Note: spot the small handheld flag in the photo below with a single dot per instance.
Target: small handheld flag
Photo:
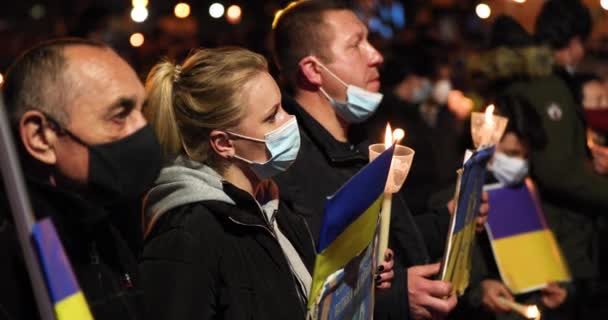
(525, 249)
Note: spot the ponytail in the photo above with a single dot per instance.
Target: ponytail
(160, 112)
(187, 102)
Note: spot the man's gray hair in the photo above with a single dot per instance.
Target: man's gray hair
(36, 80)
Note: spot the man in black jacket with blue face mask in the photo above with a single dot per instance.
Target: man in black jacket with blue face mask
(87, 156)
(323, 53)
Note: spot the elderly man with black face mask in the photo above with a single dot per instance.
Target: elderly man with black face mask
(87, 156)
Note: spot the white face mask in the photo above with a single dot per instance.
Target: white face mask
(571, 69)
(283, 144)
(441, 90)
(509, 170)
(360, 104)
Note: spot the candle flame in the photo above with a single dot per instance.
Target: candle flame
(388, 136)
(398, 134)
(489, 114)
(532, 312)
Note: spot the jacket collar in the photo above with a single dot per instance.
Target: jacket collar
(67, 206)
(251, 210)
(81, 224)
(334, 150)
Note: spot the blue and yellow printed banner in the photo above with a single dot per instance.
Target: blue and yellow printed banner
(343, 283)
(456, 264)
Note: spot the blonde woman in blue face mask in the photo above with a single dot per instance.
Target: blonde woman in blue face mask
(218, 243)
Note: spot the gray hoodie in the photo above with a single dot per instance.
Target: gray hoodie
(183, 182)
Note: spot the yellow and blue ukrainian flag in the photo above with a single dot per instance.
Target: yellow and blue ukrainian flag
(457, 263)
(525, 249)
(67, 298)
(350, 221)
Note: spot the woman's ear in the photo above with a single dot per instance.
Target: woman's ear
(37, 138)
(222, 144)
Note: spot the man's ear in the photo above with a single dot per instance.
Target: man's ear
(37, 138)
(221, 144)
(310, 71)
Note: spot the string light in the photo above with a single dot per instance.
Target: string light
(139, 3)
(483, 10)
(182, 10)
(136, 39)
(216, 10)
(233, 14)
(139, 14)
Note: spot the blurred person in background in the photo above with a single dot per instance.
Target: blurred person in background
(424, 104)
(573, 194)
(510, 167)
(564, 25)
(595, 105)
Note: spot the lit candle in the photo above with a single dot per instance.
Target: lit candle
(385, 214)
(388, 137)
(488, 126)
(527, 311)
(400, 165)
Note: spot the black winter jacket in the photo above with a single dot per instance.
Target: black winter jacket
(325, 164)
(103, 262)
(322, 167)
(214, 260)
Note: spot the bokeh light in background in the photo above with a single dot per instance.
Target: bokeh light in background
(450, 23)
(37, 11)
(136, 39)
(139, 14)
(216, 10)
(483, 11)
(139, 3)
(1, 79)
(233, 14)
(182, 10)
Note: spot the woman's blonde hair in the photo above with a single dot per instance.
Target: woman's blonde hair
(187, 102)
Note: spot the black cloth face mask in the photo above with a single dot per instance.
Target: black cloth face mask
(120, 170)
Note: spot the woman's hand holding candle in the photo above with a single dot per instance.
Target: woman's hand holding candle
(385, 274)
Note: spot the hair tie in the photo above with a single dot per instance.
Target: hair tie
(177, 72)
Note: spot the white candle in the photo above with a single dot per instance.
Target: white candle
(527, 311)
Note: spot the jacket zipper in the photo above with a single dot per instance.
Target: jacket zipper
(286, 260)
(311, 238)
(252, 225)
(95, 261)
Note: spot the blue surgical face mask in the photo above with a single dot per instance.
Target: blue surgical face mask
(509, 170)
(283, 144)
(422, 92)
(360, 104)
